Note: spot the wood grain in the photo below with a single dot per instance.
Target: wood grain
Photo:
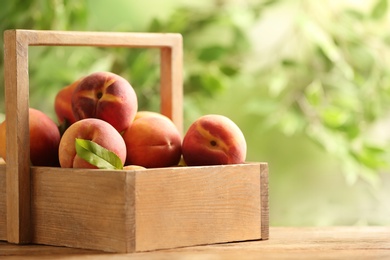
(171, 89)
(18, 137)
(3, 204)
(354, 242)
(198, 205)
(101, 39)
(82, 208)
(127, 211)
(264, 195)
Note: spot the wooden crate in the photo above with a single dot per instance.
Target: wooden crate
(120, 211)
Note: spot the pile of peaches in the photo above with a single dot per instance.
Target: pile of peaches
(102, 109)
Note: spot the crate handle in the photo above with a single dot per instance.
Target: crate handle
(16, 43)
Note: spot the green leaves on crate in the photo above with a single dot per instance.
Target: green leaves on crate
(97, 155)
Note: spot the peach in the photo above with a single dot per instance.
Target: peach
(106, 96)
(133, 167)
(3, 138)
(44, 139)
(152, 142)
(145, 113)
(213, 140)
(93, 129)
(63, 105)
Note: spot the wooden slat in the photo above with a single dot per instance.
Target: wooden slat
(129, 211)
(171, 89)
(82, 209)
(3, 205)
(264, 194)
(101, 39)
(198, 205)
(18, 152)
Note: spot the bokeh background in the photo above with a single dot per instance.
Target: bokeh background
(308, 82)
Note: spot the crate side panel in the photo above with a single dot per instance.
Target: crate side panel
(79, 208)
(197, 205)
(3, 206)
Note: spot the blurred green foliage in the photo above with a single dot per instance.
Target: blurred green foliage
(334, 83)
(309, 70)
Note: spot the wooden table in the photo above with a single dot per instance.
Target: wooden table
(284, 243)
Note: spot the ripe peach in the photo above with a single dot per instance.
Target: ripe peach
(92, 129)
(106, 96)
(44, 139)
(212, 140)
(63, 104)
(152, 142)
(133, 167)
(145, 113)
(3, 138)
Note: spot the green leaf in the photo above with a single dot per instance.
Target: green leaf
(314, 93)
(334, 117)
(97, 155)
(371, 156)
(289, 63)
(209, 82)
(155, 25)
(379, 10)
(229, 70)
(212, 53)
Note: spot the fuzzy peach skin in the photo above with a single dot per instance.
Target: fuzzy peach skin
(213, 140)
(92, 129)
(44, 139)
(3, 138)
(145, 113)
(152, 142)
(63, 104)
(106, 96)
(133, 167)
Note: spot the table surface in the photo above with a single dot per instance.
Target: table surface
(284, 243)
